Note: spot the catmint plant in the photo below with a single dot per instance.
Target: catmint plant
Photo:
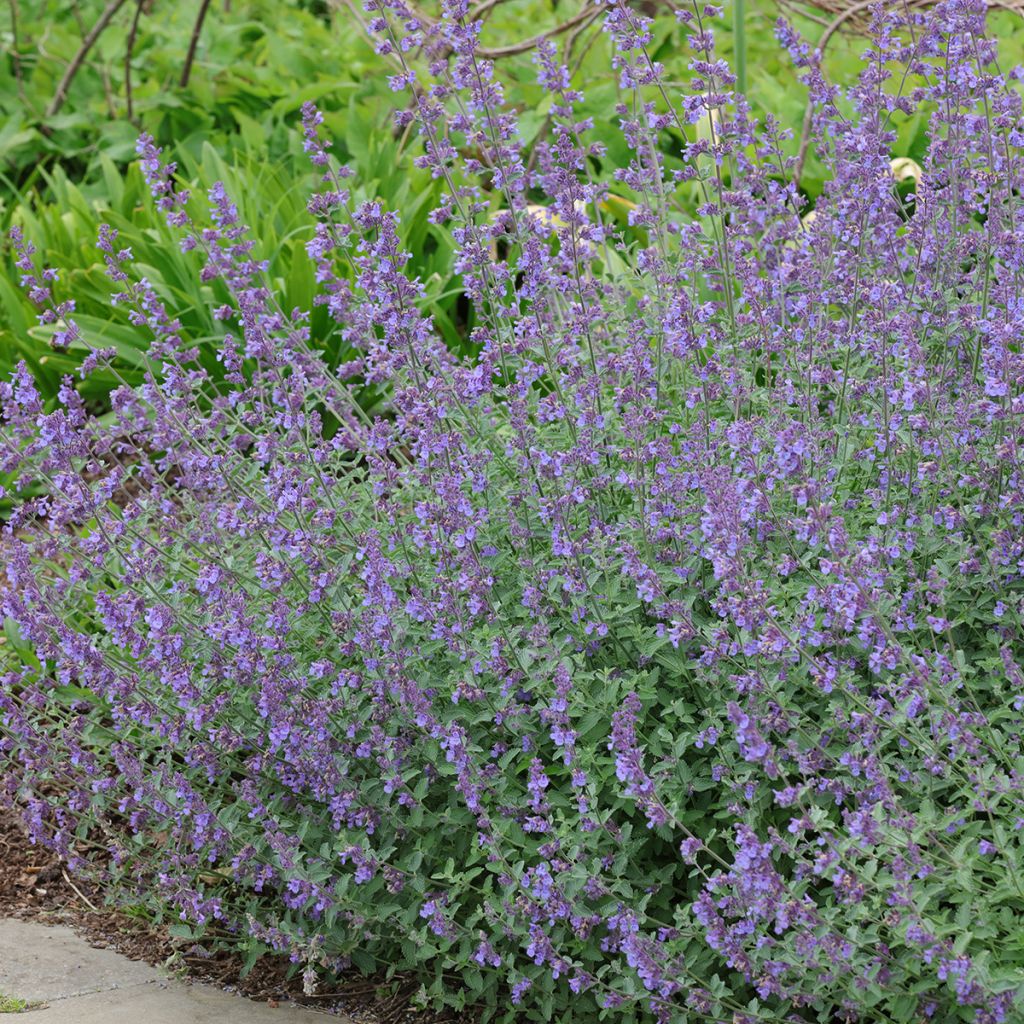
(661, 659)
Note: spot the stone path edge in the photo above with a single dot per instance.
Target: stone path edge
(66, 981)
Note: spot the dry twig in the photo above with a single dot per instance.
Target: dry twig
(78, 892)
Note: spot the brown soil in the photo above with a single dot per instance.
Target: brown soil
(34, 885)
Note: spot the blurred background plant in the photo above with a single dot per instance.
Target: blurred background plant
(219, 85)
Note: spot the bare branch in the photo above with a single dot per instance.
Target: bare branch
(585, 16)
(190, 57)
(485, 7)
(129, 47)
(79, 58)
(16, 52)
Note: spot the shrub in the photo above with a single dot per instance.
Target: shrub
(660, 660)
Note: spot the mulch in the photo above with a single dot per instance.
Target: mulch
(34, 885)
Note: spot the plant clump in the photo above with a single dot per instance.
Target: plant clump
(661, 660)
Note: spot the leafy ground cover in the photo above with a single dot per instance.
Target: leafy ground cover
(647, 648)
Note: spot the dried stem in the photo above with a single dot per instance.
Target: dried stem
(78, 892)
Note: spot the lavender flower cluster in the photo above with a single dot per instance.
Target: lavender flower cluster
(661, 661)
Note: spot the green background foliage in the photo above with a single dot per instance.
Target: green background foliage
(257, 61)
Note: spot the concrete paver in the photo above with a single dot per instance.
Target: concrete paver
(172, 1004)
(41, 963)
(77, 984)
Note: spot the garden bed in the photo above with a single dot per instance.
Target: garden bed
(34, 885)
